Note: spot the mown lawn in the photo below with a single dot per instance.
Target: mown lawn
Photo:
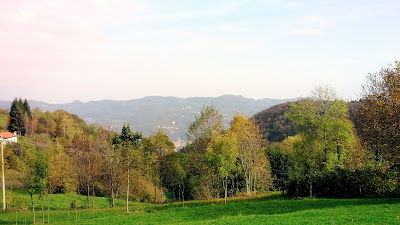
(263, 209)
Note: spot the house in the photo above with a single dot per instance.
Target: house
(8, 137)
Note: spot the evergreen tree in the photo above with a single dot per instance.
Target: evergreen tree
(16, 118)
(20, 114)
(27, 109)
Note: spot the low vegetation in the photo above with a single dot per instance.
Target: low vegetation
(3, 119)
(269, 208)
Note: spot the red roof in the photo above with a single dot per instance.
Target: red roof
(7, 135)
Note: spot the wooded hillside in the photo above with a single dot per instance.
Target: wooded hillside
(316, 146)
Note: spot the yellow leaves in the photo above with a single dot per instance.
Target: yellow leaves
(245, 130)
(62, 177)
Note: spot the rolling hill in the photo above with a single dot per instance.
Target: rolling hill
(148, 114)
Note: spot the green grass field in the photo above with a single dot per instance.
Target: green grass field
(3, 121)
(263, 209)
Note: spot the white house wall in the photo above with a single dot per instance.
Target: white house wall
(11, 140)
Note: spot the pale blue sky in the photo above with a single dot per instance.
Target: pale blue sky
(62, 51)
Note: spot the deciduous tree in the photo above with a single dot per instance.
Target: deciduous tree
(379, 118)
(201, 129)
(37, 181)
(127, 143)
(249, 140)
(327, 135)
(222, 152)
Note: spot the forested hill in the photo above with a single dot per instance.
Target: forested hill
(275, 126)
(148, 114)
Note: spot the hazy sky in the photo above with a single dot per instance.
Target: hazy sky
(60, 51)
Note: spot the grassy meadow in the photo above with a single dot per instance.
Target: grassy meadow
(3, 121)
(269, 208)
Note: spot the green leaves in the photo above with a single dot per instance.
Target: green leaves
(158, 143)
(222, 152)
(37, 178)
(202, 128)
(326, 132)
(128, 138)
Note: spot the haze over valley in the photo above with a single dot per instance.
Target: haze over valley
(172, 115)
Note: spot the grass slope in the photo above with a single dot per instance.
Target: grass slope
(3, 121)
(263, 209)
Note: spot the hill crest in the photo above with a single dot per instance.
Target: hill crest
(151, 113)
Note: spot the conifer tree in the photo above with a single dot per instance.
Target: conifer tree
(20, 114)
(27, 109)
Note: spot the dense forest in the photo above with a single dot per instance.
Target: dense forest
(57, 152)
(325, 146)
(316, 146)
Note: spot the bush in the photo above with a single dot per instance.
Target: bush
(143, 190)
(348, 184)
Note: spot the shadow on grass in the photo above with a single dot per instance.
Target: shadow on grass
(264, 205)
(202, 211)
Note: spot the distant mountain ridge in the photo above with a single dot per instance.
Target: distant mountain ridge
(149, 114)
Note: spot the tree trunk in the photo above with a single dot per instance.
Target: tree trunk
(208, 191)
(88, 187)
(247, 178)
(33, 210)
(112, 197)
(233, 185)
(250, 184)
(310, 187)
(255, 183)
(155, 193)
(88, 195)
(179, 193)
(325, 148)
(94, 196)
(76, 211)
(174, 194)
(42, 213)
(127, 195)
(237, 185)
(48, 212)
(226, 187)
(183, 195)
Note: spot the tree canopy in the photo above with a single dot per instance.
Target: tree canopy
(379, 117)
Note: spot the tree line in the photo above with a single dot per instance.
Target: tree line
(319, 146)
(341, 149)
(60, 153)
